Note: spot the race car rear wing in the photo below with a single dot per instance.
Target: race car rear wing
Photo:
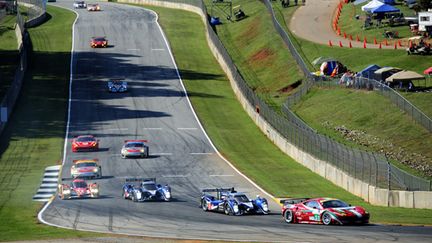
(144, 141)
(219, 190)
(293, 200)
(140, 179)
(78, 160)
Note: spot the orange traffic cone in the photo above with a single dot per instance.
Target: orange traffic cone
(364, 43)
(358, 38)
(350, 37)
(399, 43)
(395, 46)
(375, 42)
(380, 45)
(340, 44)
(364, 40)
(350, 45)
(330, 43)
(385, 42)
(339, 31)
(345, 36)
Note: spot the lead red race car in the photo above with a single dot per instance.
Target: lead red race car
(322, 211)
(85, 143)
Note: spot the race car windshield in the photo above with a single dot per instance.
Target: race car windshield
(85, 139)
(132, 145)
(149, 187)
(99, 39)
(241, 198)
(80, 184)
(335, 204)
(89, 164)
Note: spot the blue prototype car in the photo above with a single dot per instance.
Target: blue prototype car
(230, 202)
(145, 189)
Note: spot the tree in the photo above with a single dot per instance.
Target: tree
(424, 4)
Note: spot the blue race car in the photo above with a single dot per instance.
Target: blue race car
(145, 190)
(230, 202)
(117, 86)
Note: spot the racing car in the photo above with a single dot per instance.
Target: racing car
(79, 4)
(135, 148)
(322, 211)
(78, 189)
(86, 168)
(117, 86)
(230, 202)
(145, 190)
(85, 142)
(93, 7)
(98, 42)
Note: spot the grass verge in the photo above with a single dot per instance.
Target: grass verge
(35, 133)
(238, 138)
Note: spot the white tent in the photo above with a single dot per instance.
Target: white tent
(371, 5)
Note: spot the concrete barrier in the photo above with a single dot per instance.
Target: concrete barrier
(371, 194)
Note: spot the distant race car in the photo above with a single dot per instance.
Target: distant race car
(145, 190)
(230, 202)
(86, 168)
(98, 42)
(85, 142)
(93, 7)
(322, 211)
(135, 148)
(117, 86)
(79, 4)
(78, 189)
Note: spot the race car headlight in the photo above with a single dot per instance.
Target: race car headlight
(94, 190)
(138, 194)
(235, 208)
(168, 194)
(265, 206)
(95, 170)
(66, 191)
(142, 150)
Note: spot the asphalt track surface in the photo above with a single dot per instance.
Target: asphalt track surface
(156, 108)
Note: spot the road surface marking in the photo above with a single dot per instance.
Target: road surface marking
(187, 128)
(158, 49)
(220, 175)
(133, 49)
(161, 154)
(115, 129)
(201, 153)
(175, 176)
(152, 128)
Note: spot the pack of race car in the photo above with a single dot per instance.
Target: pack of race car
(145, 189)
(322, 211)
(231, 202)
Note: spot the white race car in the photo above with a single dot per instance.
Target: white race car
(79, 4)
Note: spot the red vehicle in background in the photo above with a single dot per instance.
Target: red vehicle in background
(98, 42)
(78, 189)
(322, 211)
(85, 142)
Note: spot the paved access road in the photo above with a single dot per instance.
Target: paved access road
(157, 109)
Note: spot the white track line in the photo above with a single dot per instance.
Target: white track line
(152, 128)
(221, 175)
(201, 153)
(187, 128)
(161, 153)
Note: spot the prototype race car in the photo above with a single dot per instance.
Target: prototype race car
(78, 189)
(79, 4)
(230, 202)
(98, 42)
(135, 148)
(86, 168)
(146, 190)
(117, 86)
(93, 7)
(322, 211)
(85, 142)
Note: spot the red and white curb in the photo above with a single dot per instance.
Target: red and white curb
(49, 184)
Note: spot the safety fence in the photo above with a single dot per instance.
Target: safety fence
(8, 102)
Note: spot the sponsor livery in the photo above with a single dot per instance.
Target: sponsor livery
(86, 168)
(98, 42)
(85, 142)
(93, 7)
(322, 211)
(135, 148)
(78, 188)
(145, 189)
(230, 202)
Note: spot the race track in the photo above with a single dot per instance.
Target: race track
(157, 109)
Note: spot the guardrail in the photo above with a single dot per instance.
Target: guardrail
(23, 38)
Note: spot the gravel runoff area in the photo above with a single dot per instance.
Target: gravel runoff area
(313, 21)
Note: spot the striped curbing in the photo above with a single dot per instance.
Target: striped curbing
(49, 184)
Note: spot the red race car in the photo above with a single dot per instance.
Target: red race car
(85, 142)
(322, 211)
(98, 42)
(78, 189)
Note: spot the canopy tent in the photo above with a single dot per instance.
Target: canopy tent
(385, 72)
(385, 8)
(318, 61)
(404, 76)
(428, 71)
(390, 2)
(368, 72)
(371, 5)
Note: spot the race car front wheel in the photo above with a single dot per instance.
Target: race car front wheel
(227, 210)
(204, 205)
(288, 216)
